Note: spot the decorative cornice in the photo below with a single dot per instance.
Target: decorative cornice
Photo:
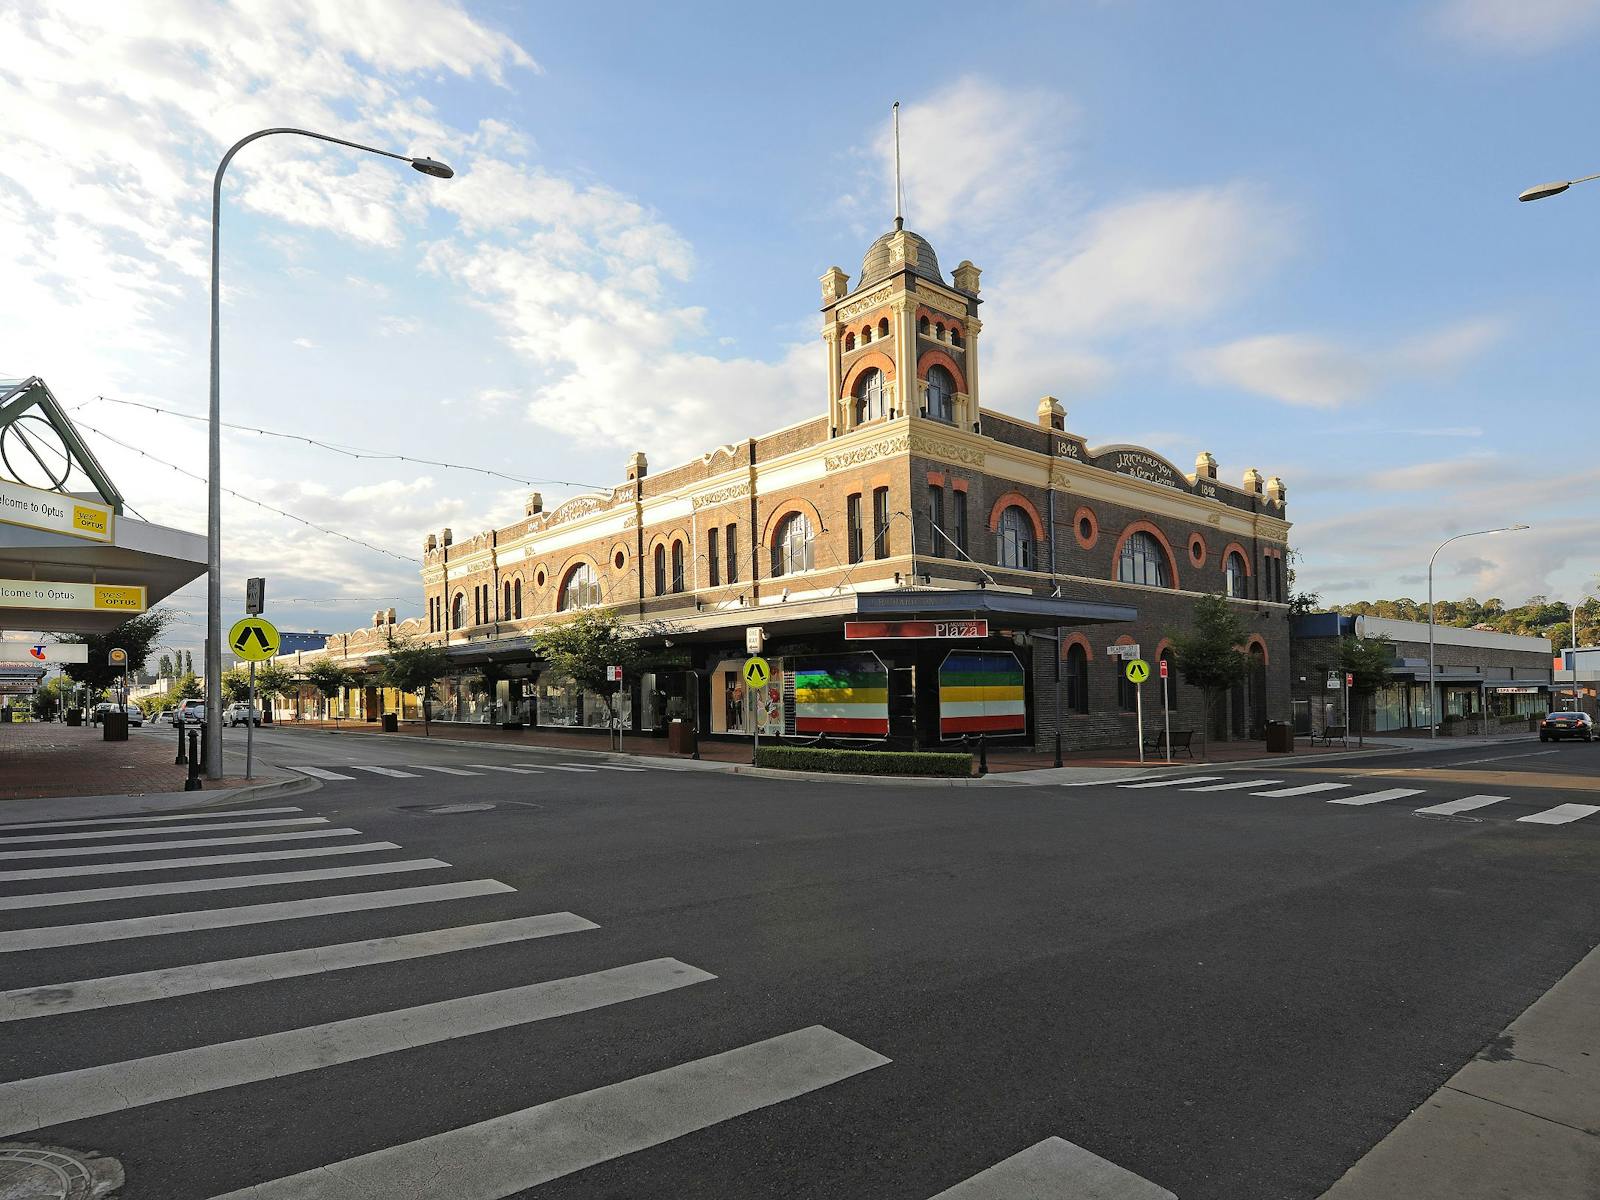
(871, 452)
(950, 451)
(943, 303)
(720, 495)
(873, 299)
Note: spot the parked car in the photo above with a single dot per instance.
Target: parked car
(239, 712)
(190, 712)
(164, 717)
(135, 715)
(98, 711)
(1558, 725)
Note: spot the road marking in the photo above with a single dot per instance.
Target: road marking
(604, 767)
(389, 771)
(1233, 787)
(1502, 757)
(46, 1100)
(1304, 789)
(442, 770)
(508, 770)
(1562, 814)
(1378, 797)
(507, 1155)
(189, 816)
(177, 844)
(320, 773)
(1172, 781)
(83, 994)
(1465, 804)
(176, 864)
(249, 914)
(1056, 1167)
(165, 829)
(579, 770)
(138, 891)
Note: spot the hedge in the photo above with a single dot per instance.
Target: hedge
(864, 762)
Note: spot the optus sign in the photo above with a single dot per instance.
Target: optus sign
(76, 597)
(54, 513)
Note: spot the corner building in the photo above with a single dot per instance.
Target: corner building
(920, 568)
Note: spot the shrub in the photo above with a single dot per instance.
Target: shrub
(865, 762)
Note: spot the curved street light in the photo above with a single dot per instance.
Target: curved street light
(1433, 686)
(213, 726)
(1544, 190)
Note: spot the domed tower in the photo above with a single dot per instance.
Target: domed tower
(902, 341)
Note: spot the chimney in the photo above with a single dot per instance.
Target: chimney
(835, 283)
(446, 537)
(430, 544)
(1276, 492)
(389, 615)
(965, 277)
(1252, 481)
(638, 466)
(534, 505)
(1051, 413)
(1205, 467)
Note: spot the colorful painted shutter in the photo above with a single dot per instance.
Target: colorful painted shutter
(981, 693)
(847, 695)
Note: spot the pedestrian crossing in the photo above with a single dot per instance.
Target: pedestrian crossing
(1560, 814)
(413, 770)
(488, 1159)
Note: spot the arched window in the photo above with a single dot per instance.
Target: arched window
(955, 335)
(869, 396)
(792, 545)
(1127, 690)
(866, 334)
(1014, 540)
(938, 332)
(677, 566)
(1076, 678)
(516, 598)
(1237, 578)
(849, 341)
(1143, 561)
(661, 570)
(922, 325)
(883, 327)
(458, 611)
(581, 588)
(941, 394)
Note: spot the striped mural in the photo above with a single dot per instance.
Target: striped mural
(981, 692)
(846, 695)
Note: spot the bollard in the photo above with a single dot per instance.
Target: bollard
(1058, 749)
(983, 754)
(193, 784)
(182, 758)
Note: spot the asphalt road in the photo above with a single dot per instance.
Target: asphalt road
(1226, 994)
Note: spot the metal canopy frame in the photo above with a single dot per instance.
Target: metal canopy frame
(20, 398)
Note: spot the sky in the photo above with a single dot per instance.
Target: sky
(1286, 234)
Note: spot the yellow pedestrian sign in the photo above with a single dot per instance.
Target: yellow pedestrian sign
(756, 672)
(254, 639)
(1137, 670)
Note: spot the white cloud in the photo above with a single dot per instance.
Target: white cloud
(1315, 372)
(1517, 26)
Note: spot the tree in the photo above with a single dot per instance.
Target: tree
(164, 671)
(188, 662)
(272, 681)
(236, 684)
(137, 635)
(408, 667)
(1366, 662)
(327, 677)
(1300, 603)
(1210, 655)
(585, 646)
(53, 695)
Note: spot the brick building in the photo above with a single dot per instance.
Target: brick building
(897, 498)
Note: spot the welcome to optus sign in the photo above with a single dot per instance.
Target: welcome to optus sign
(35, 508)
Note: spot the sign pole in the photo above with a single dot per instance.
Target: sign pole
(1166, 712)
(250, 725)
(1138, 700)
(617, 720)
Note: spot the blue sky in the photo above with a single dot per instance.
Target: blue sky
(1286, 234)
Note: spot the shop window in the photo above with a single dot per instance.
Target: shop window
(1014, 540)
(852, 508)
(792, 545)
(1143, 561)
(941, 394)
(1075, 680)
(869, 396)
(880, 522)
(713, 550)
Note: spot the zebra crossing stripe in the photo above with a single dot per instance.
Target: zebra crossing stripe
(175, 864)
(1172, 781)
(389, 771)
(165, 829)
(579, 770)
(1056, 1167)
(83, 994)
(606, 767)
(139, 891)
(191, 816)
(1465, 804)
(177, 844)
(507, 1155)
(47, 937)
(442, 770)
(1562, 814)
(1305, 789)
(1237, 785)
(507, 770)
(321, 773)
(1378, 797)
(46, 1100)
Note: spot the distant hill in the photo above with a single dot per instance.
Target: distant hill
(1538, 616)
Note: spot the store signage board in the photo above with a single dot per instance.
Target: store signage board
(76, 597)
(39, 655)
(35, 508)
(855, 631)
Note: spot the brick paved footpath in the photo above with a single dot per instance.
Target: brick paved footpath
(52, 759)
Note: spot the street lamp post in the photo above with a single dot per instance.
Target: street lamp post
(1546, 190)
(213, 726)
(1433, 686)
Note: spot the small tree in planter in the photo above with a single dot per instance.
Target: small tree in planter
(272, 681)
(1367, 663)
(585, 646)
(1210, 656)
(407, 667)
(327, 677)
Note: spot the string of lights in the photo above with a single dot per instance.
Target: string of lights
(348, 451)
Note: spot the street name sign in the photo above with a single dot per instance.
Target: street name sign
(36, 508)
(1131, 650)
(757, 672)
(77, 597)
(254, 639)
(872, 630)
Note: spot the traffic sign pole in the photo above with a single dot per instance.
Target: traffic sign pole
(1138, 700)
(1166, 713)
(250, 726)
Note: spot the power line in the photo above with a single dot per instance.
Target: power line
(348, 451)
(249, 499)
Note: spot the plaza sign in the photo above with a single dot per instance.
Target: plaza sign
(52, 512)
(873, 630)
(74, 597)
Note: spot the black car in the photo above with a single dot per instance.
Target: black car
(1559, 725)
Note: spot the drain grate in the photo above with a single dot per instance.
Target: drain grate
(32, 1172)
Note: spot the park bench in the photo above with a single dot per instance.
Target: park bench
(1180, 741)
(1331, 734)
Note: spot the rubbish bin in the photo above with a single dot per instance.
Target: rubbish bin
(5, 716)
(115, 725)
(680, 737)
(391, 722)
(74, 717)
(1280, 737)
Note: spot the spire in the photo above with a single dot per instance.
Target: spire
(899, 219)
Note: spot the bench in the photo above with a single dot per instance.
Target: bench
(1331, 734)
(1180, 741)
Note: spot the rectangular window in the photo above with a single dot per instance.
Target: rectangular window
(853, 521)
(959, 520)
(936, 517)
(1127, 690)
(733, 553)
(713, 550)
(880, 522)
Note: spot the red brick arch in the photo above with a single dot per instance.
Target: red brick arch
(1022, 502)
(785, 509)
(872, 358)
(1075, 639)
(1249, 567)
(930, 357)
(1255, 639)
(1161, 539)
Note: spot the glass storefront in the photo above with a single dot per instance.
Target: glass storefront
(565, 705)
(736, 708)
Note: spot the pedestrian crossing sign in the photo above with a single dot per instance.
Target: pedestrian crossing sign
(756, 672)
(254, 639)
(1137, 670)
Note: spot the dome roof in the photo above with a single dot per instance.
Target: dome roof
(876, 264)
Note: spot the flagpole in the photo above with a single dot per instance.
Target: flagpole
(899, 218)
